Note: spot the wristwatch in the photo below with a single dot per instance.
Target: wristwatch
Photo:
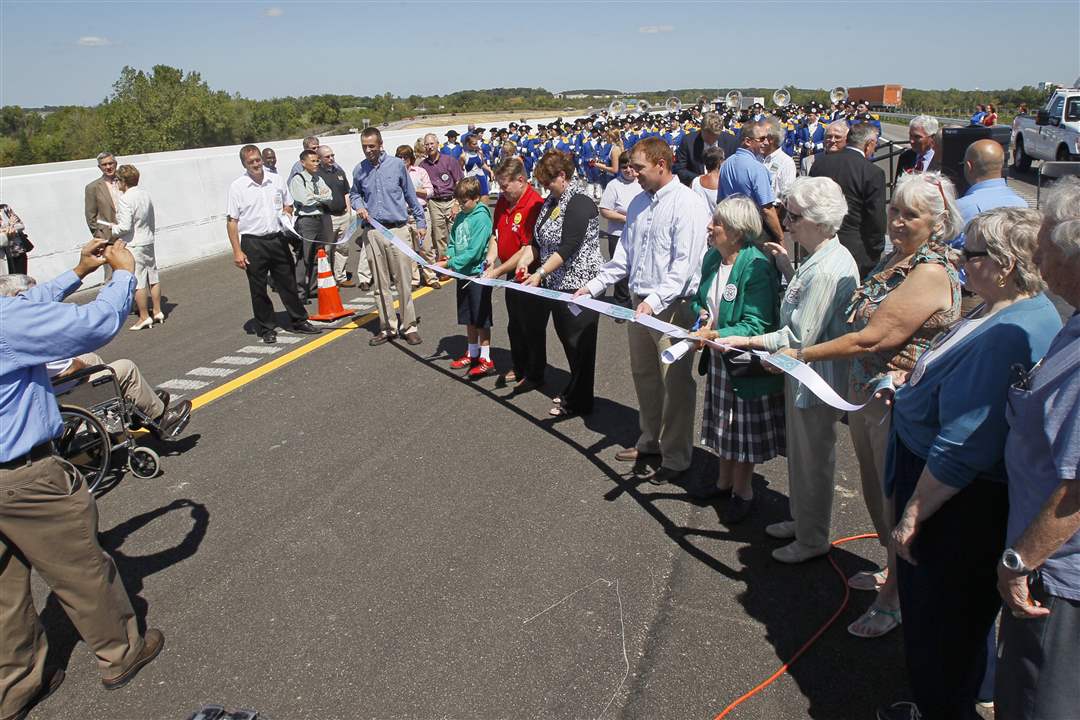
(540, 272)
(1011, 561)
(799, 355)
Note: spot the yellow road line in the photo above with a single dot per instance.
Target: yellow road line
(336, 334)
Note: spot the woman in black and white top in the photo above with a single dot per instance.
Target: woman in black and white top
(566, 243)
(14, 245)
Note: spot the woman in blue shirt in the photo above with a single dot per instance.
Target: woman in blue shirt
(945, 467)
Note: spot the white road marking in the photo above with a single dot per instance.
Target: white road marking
(236, 360)
(260, 349)
(183, 384)
(211, 372)
(288, 339)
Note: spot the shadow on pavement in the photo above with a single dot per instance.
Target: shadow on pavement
(133, 570)
(842, 676)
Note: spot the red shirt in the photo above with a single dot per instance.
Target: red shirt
(514, 225)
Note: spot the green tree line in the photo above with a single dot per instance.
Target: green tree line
(169, 109)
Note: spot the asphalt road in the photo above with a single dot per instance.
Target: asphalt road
(361, 533)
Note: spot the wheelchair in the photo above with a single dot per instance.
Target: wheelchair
(98, 422)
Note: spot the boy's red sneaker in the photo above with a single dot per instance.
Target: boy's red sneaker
(482, 369)
(464, 361)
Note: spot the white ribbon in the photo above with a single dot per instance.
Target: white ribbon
(798, 370)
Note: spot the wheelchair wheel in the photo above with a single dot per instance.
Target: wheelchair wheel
(85, 443)
(143, 462)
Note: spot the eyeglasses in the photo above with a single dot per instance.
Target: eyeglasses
(792, 218)
(966, 254)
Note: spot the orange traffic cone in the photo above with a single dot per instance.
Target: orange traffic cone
(329, 300)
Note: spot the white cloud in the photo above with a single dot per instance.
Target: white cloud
(654, 29)
(273, 12)
(93, 41)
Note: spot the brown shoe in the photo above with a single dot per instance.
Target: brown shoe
(413, 338)
(632, 454)
(381, 338)
(347, 283)
(45, 691)
(152, 644)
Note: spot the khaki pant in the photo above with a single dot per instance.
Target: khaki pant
(49, 522)
(340, 256)
(388, 262)
(811, 463)
(667, 394)
(870, 436)
(133, 385)
(439, 222)
(426, 251)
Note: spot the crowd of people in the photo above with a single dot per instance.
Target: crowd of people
(968, 444)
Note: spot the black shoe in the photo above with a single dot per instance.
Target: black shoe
(174, 419)
(269, 337)
(364, 286)
(664, 475)
(164, 397)
(707, 491)
(902, 710)
(305, 328)
(738, 509)
(47, 689)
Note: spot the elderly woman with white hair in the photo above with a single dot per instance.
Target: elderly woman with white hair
(744, 404)
(912, 296)
(811, 312)
(946, 473)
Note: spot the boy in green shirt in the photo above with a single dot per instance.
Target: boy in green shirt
(465, 253)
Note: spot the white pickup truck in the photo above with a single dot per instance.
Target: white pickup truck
(1053, 134)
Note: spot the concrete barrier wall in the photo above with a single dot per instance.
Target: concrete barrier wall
(188, 188)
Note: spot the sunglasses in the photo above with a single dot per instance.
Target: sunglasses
(966, 254)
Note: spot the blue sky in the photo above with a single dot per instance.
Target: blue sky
(72, 52)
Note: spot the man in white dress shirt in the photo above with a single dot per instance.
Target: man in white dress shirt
(780, 165)
(660, 254)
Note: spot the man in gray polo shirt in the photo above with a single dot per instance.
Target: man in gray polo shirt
(1039, 573)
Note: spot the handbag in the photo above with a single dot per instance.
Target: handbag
(745, 365)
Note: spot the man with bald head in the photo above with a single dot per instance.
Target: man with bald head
(445, 172)
(983, 163)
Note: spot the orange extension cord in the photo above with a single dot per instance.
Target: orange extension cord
(813, 638)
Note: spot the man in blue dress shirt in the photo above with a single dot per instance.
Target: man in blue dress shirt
(382, 191)
(48, 519)
(983, 161)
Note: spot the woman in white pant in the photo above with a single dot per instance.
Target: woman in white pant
(811, 312)
(135, 226)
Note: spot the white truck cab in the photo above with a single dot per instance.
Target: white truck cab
(1053, 134)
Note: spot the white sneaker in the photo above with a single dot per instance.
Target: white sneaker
(796, 552)
(782, 530)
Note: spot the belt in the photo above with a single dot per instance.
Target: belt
(268, 236)
(444, 198)
(39, 451)
(391, 225)
(343, 212)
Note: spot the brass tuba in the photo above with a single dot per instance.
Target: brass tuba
(673, 105)
(781, 98)
(643, 106)
(617, 107)
(838, 94)
(733, 100)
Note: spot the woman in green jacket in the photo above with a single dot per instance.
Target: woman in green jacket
(744, 403)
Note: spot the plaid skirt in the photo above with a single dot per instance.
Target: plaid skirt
(740, 429)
